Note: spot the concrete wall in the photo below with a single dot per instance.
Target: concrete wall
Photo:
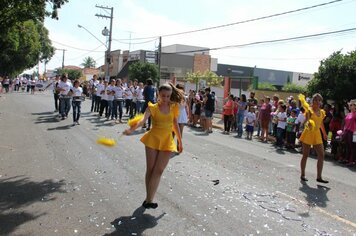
(179, 48)
(275, 77)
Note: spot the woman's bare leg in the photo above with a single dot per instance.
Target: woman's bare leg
(181, 127)
(155, 177)
(320, 152)
(151, 158)
(303, 161)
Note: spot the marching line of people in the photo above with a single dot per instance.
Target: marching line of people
(18, 84)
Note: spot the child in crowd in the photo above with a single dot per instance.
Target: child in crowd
(250, 122)
(196, 110)
(300, 123)
(291, 130)
(281, 125)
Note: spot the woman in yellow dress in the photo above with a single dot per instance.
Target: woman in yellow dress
(158, 141)
(311, 136)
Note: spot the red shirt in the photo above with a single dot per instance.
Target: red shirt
(350, 122)
(229, 109)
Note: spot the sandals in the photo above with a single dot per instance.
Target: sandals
(302, 178)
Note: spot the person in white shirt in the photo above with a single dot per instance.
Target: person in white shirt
(23, 84)
(17, 84)
(110, 92)
(128, 99)
(63, 88)
(250, 122)
(104, 99)
(134, 89)
(92, 89)
(6, 84)
(77, 94)
(139, 98)
(118, 92)
(99, 88)
(33, 85)
(281, 126)
(300, 122)
(54, 85)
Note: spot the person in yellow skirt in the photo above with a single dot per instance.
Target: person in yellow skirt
(158, 141)
(311, 136)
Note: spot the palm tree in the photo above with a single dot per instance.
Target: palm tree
(88, 62)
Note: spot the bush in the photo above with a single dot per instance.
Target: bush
(266, 86)
(294, 88)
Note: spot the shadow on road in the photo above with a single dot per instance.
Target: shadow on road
(18, 192)
(100, 121)
(315, 196)
(42, 113)
(46, 117)
(64, 127)
(135, 224)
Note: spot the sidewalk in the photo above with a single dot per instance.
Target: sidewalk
(218, 122)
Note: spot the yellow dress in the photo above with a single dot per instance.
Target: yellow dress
(160, 137)
(313, 137)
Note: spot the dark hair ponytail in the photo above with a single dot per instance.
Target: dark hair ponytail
(177, 94)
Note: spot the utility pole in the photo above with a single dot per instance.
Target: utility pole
(159, 60)
(63, 50)
(105, 32)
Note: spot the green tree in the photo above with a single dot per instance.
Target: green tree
(210, 77)
(23, 38)
(13, 12)
(88, 62)
(72, 74)
(336, 77)
(142, 71)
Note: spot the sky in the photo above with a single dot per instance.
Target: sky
(134, 19)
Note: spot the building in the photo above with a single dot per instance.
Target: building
(177, 60)
(127, 58)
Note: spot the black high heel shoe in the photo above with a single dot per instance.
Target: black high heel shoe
(302, 178)
(149, 205)
(322, 181)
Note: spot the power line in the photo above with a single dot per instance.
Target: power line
(240, 22)
(84, 54)
(80, 49)
(272, 58)
(268, 41)
(148, 41)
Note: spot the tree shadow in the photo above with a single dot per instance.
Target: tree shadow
(315, 196)
(18, 192)
(135, 224)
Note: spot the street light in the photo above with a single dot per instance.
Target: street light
(80, 26)
(104, 32)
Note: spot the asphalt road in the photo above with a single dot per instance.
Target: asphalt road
(55, 180)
